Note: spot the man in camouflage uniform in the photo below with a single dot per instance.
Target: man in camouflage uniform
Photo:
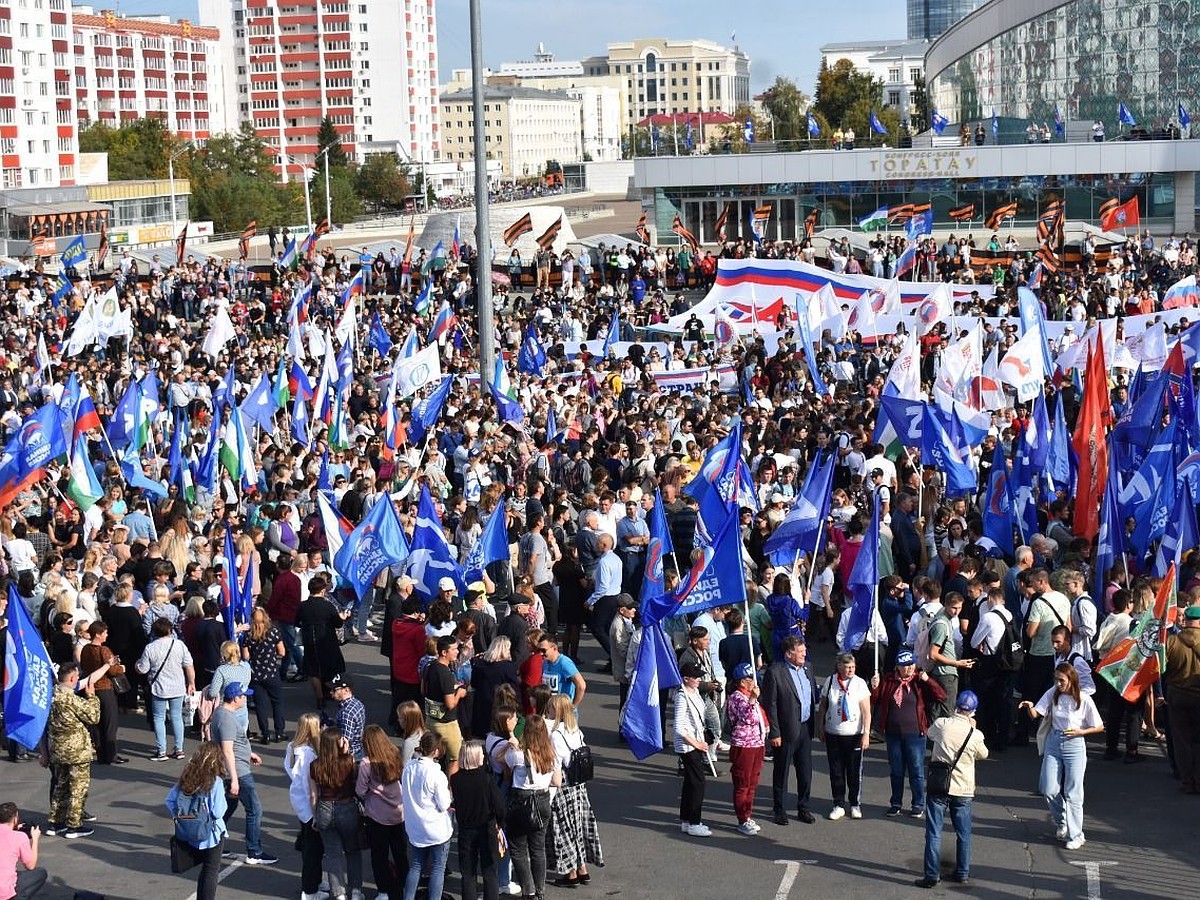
(71, 751)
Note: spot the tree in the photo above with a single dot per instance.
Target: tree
(328, 136)
(786, 105)
(845, 98)
(733, 135)
(136, 150)
(920, 104)
(381, 183)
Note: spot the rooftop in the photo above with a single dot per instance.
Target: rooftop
(506, 92)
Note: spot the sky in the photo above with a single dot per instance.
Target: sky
(781, 38)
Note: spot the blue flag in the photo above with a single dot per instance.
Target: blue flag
(659, 548)
(135, 477)
(28, 676)
(995, 124)
(814, 129)
(1184, 119)
(717, 578)
(223, 395)
(492, 545)
(1110, 540)
(1125, 116)
(1030, 310)
(905, 416)
(431, 558)
(378, 337)
(532, 356)
(426, 413)
(259, 405)
(810, 352)
(300, 420)
(75, 254)
(950, 458)
(123, 422)
(1038, 431)
(377, 542)
(997, 507)
(799, 530)
(206, 466)
(507, 404)
(1058, 460)
(919, 225)
(1021, 486)
(876, 125)
(613, 334)
(721, 486)
(656, 670)
(938, 122)
(1181, 533)
(748, 131)
(37, 443)
(863, 584)
(1159, 471)
(1059, 128)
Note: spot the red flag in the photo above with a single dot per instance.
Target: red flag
(1095, 414)
(1124, 215)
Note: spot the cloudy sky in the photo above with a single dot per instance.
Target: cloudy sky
(781, 38)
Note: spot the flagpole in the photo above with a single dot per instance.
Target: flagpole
(750, 638)
(871, 624)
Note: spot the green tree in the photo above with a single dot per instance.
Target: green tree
(786, 105)
(136, 150)
(328, 137)
(920, 104)
(846, 97)
(734, 134)
(381, 183)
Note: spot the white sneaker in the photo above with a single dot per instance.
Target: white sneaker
(757, 828)
(700, 830)
(1061, 833)
(1075, 844)
(381, 896)
(319, 895)
(683, 826)
(836, 813)
(513, 889)
(856, 812)
(747, 828)
(356, 894)
(722, 747)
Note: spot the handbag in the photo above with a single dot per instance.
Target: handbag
(120, 684)
(937, 777)
(527, 811)
(183, 856)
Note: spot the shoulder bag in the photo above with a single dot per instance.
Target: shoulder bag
(580, 768)
(937, 778)
(527, 811)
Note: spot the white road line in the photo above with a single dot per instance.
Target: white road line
(1091, 869)
(225, 873)
(789, 875)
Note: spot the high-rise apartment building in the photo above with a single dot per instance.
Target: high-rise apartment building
(369, 65)
(928, 19)
(669, 77)
(147, 68)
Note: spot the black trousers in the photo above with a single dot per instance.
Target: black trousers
(864, 661)
(995, 702)
(549, 598)
(389, 856)
(845, 767)
(1118, 711)
(695, 773)
(312, 852)
(268, 706)
(210, 871)
(603, 614)
(401, 692)
(798, 755)
(478, 855)
(106, 731)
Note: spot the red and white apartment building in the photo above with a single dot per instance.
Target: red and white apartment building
(369, 65)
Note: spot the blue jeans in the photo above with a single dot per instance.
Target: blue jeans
(158, 709)
(960, 817)
(291, 645)
(1063, 768)
(248, 797)
(906, 755)
(437, 856)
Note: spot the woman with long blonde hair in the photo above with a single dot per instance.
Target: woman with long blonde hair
(198, 806)
(576, 835)
(297, 762)
(378, 788)
(246, 554)
(333, 778)
(264, 650)
(232, 668)
(535, 769)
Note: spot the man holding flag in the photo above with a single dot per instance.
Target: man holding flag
(1182, 678)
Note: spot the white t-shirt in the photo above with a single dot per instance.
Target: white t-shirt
(822, 579)
(1063, 714)
(855, 691)
(22, 554)
(527, 777)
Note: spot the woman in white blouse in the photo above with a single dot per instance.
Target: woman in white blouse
(1072, 716)
(297, 760)
(534, 766)
(426, 796)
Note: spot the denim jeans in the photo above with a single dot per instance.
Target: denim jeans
(906, 755)
(293, 651)
(437, 856)
(248, 797)
(1063, 768)
(338, 823)
(159, 706)
(268, 705)
(960, 818)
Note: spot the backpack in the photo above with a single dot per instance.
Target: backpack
(194, 820)
(922, 645)
(580, 768)
(1010, 652)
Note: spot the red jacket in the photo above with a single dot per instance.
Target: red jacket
(284, 605)
(408, 646)
(928, 689)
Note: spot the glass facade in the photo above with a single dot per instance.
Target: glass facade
(843, 204)
(1085, 58)
(927, 19)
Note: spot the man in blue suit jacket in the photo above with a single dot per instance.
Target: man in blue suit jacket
(789, 696)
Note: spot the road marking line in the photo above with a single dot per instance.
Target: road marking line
(1091, 869)
(789, 875)
(225, 873)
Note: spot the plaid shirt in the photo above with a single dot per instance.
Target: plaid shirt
(41, 544)
(351, 720)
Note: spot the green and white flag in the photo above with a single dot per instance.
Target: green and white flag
(83, 486)
(875, 220)
(236, 455)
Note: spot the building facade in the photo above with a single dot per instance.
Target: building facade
(900, 65)
(524, 127)
(147, 68)
(929, 19)
(1027, 58)
(664, 77)
(371, 67)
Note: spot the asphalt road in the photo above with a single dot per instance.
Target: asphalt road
(1139, 828)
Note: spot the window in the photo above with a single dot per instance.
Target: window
(651, 63)
(914, 74)
(893, 98)
(893, 75)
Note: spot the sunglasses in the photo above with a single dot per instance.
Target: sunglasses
(543, 650)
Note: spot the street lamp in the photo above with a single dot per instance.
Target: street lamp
(483, 258)
(306, 172)
(328, 202)
(171, 178)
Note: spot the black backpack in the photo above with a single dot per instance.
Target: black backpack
(1009, 653)
(579, 768)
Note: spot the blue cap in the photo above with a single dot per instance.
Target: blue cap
(906, 658)
(744, 670)
(967, 701)
(235, 689)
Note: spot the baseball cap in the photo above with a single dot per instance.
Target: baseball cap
(337, 681)
(876, 471)
(906, 658)
(744, 670)
(691, 670)
(1192, 612)
(446, 584)
(235, 689)
(967, 701)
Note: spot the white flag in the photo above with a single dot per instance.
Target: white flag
(219, 334)
(83, 335)
(1023, 366)
(418, 370)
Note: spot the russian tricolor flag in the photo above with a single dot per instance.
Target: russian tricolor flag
(356, 285)
(442, 324)
(298, 382)
(907, 261)
(455, 243)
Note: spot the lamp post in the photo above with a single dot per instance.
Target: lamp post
(307, 173)
(328, 201)
(483, 240)
(171, 178)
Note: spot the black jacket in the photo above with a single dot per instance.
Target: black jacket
(782, 704)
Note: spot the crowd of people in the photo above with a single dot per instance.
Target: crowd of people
(129, 588)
